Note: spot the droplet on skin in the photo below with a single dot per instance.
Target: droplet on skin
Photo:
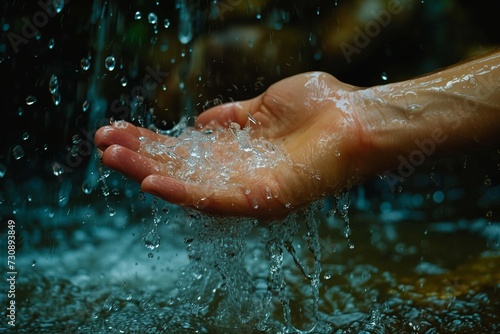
(137, 15)
(414, 107)
(255, 204)
(166, 23)
(269, 195)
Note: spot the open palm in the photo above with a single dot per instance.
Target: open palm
(308, 116)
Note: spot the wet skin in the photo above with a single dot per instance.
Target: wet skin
(335, 134)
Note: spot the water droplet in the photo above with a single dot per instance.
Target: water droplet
(56, 98)
(124, 81)
(85, 106)
(58, 5)
(487, 181)
(30, 100)
(414, 107)
(255, 204)
(150, 255)
(110, 63)
(384, 76)
(53, 84)
(3, 170)
(489, 214)
(269, 195)
(33, 263)
(25, 136)
(51, 43)
(138, 15)
(327, 276)
(86, 188)
(166, 23)
(347, 231)
(57, 168)
(18, 152)
(152, 18)
(85, 64)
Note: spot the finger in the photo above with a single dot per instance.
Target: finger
(137, 131)
(129, 163)
(227, 201)
(109, 135)
(224, 114)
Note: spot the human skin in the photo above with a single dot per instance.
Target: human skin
(335, 134)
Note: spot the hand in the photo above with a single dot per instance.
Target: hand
(309, 116)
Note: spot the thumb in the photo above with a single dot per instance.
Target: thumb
(224, 114)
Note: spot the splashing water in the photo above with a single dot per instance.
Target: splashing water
(222, 282)
(217, 158)
(150, 236)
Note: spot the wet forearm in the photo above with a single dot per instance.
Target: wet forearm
(448, 111)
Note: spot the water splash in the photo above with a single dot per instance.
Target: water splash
(343, 202)
(150, 236)
(229, 156)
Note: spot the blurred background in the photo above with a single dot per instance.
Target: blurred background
(69, 66)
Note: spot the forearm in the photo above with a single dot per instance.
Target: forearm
(446, 112)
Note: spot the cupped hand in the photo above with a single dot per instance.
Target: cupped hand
(310, 117)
